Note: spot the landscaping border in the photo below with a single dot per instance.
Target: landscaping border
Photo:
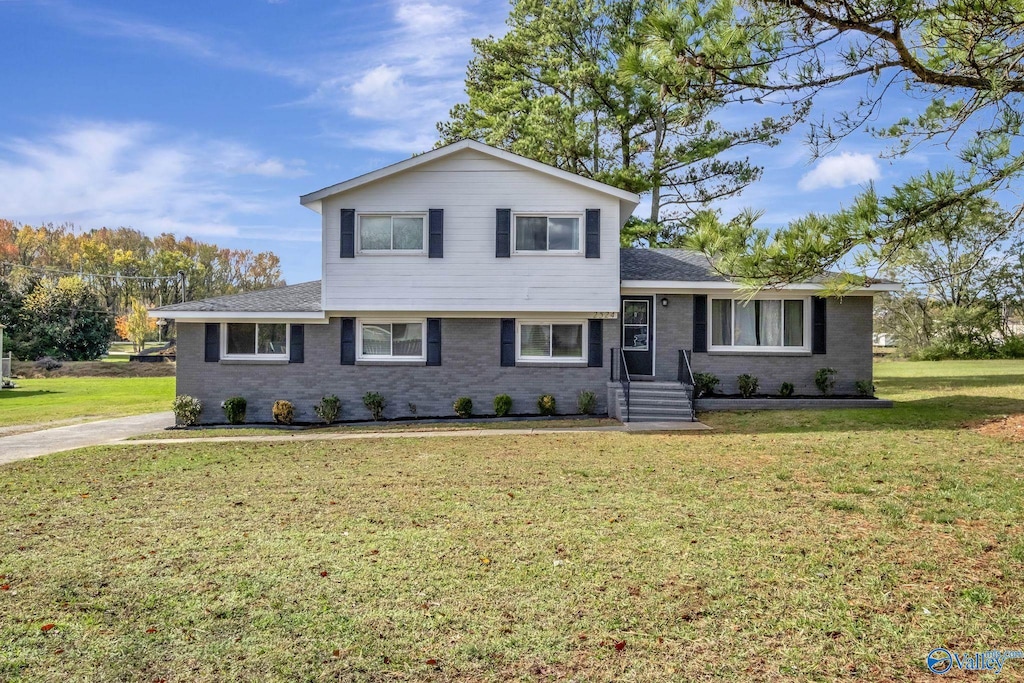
(809, 403)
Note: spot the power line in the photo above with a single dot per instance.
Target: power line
(42, 269)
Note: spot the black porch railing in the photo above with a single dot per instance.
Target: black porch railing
(622, 374)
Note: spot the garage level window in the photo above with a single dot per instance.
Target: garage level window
(760, 324)
(393, 340)
(265, 341)
(540, 341)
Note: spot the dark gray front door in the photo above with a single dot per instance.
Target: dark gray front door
(638, 334)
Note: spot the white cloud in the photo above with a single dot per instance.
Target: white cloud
(423, 17)
(103, 174)
(841, 170)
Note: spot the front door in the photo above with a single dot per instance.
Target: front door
(638, 334)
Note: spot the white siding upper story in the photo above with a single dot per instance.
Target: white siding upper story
(470, 184)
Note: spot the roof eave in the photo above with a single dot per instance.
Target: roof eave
(306, 317)
(688, 286)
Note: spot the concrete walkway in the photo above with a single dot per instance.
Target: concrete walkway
(102, 432)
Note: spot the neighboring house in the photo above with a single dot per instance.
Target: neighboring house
(470, 271)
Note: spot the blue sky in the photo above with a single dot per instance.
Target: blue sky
(210, 119)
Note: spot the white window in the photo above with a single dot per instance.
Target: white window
(544, 341)
(551, 233)
(402, 233)
(763, 324)
(264, 341)
(391, 340)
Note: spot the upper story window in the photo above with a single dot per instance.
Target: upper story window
(550, 233)
(389, 233)
(551, 341)
(266, 341)
(762, 324)
(397, 340)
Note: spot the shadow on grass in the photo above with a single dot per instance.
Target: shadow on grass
(937, 382)
(21, 393)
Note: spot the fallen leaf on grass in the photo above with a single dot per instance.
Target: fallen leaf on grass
(324, 574)
(620, 646)
(46, 627)
(150, 630)
(431, 662)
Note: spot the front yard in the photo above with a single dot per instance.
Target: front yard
(60, 400)
(811, 545)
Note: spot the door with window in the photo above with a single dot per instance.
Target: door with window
(638, 335)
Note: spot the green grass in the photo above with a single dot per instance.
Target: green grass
(38, 401)
(829, 545)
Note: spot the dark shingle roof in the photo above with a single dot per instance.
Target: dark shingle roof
(666, 264)
(301, 298)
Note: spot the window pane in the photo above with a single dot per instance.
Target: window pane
(567, 341)
(634, 337)
(377, 340)
(564, 233)
(272, 338)
(408, 339)
(531, 233)
(241, 338)
(375, 232)
(769, 323)
(634, 313)
(408, 232)
(745, 329)
(535, 340)
(794, 333)
(721, 322)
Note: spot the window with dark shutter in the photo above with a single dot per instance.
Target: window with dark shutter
(508, 342)
(818, 308)
(433, 341)
(348, 233)
(212, 342)
(436, 236)
(297, 343)
(595, 344)
(593, 248)
(700, 323)
(503, 233)
(348, 341)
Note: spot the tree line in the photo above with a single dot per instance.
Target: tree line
(63, 288)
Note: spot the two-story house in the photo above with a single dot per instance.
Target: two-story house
(471, 271)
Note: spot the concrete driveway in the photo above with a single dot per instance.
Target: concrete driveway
(101, 432)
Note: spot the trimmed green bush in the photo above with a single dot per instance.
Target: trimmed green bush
(825, 380)
(586, 402)
(463, 406)
(786, 390)
(186, 410)
(864, 387)
(234, 410)
(546, 404)
(375, 403)
(328, 408)
(704, 384)
(502, 405)
(284, 412)
(747, 385)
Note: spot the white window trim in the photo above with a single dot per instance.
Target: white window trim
(650, 314)
(584, 337)
(390, 321)
(806, 348)
(580, 227)
(392, 215)
(255, 356)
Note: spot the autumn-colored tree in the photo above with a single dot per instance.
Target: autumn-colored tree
(136, 325)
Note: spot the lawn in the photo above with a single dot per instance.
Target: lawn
(70, 399)
(782, 546)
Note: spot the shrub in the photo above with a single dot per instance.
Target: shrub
(825, 380)
(502, 405)
(747, 385)
(328, 408)
(284, 412)
(234, 410)
(47, 363)
(864, 387)
(463, 406)
(786, 390)
(546, 404)
(186, 410)
(375, 403)
(586, 402)
(704, 384)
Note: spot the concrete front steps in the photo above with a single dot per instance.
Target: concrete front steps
(651, 402)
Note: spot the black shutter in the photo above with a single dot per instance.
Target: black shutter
(503, 233)
(433, 341)
(348, 233)
(436, 229)
(595, 344)
(297, 344)
(348, 341)
(593, 249)
(700, 323)
(818, 306)
(212, 342)
(508, 342)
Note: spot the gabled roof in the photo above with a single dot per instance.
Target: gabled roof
(312, 200)
(301, 298)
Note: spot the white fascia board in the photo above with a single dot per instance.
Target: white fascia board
(405, 313)
(685, 287)
(313, 199)
(307, 318)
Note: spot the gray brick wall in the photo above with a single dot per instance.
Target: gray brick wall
(471, 367)
(848, 333)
